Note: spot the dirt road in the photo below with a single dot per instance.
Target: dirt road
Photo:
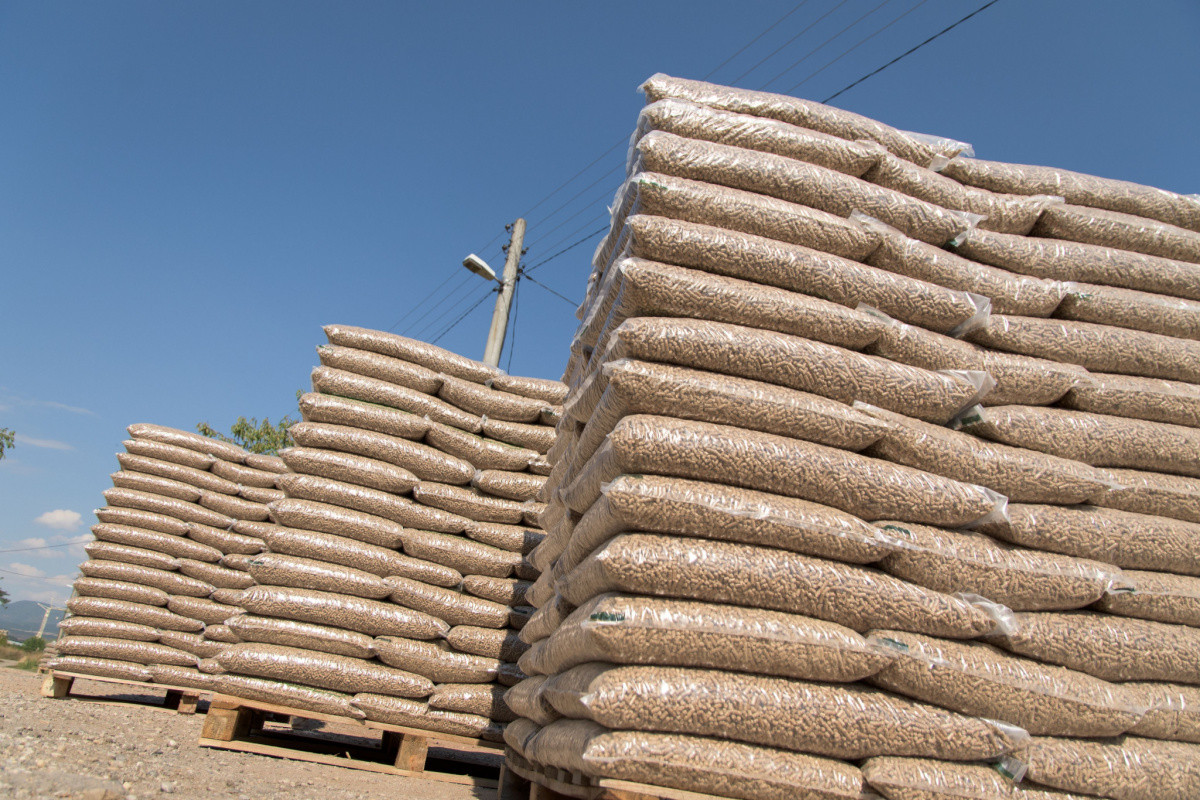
(119, 751)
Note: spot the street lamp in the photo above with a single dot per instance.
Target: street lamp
(479, 267)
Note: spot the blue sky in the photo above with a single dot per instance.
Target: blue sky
(189, 191)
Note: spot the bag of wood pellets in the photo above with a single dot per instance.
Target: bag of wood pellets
(846, 722)
(376, 560)
(323, 670)
(1021, 380)
(1055, 259)
(316, 407)
(793, 110)
(370, 501)
(719, 572)
(435, 662)
(1157, 596)
(414, 714)
(380, 367)
(926, 779)
(124, 650)
(426, 355)
(693, 763)
(1172, 402)
(288, 694)
(1173, 711)
(303, 635)
(1122, 231)
(1129, 767)
(341, 611)
(371, 390)
(1126, 308)
(800, 269)
(1153, 493)
(425, 462)
(101, 667)
(648, 630)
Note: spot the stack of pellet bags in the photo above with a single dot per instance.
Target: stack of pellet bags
(389, 581)
(855, 494)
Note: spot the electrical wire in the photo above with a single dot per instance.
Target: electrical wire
(823, 44)
(420, 303)
(911, 50)
(43, 547)
(604, 214)
(770, 28)
(789, 41)
(569, 301)
(564, 250)
(512, 345)
(454, 324)
(573, 199)
(435, 323)
(432, 307)
(855, 47)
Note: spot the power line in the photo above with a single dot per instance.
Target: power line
(454, 324)
(512, 346)
(434, 323)
(823, 44)
(911, 51)
(43, 547)
(564, 250)
(770, 28)
(432, 307)
(789, 41)
(605, 214)
(860, 44)
(572, 200)
(570, 302)
(422, 302)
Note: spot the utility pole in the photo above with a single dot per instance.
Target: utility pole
(495, 340)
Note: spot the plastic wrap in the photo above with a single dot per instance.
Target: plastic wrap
(191, 476)
(927, 779)
(222, 634)
(1022, 475)
(1004, 213)
(961, 562)
(519, 486)
(1028, 381)
(175, 546)
(215, 575)
(488, 642)
(434, 662)
(800, 269)
(229, 597)
(706, 123)
(107, 628)
(370, 558)
(137, 556)
(409, 713)
(789, 361)
(507, 591)
(917, 347)
(324, 518)
(234, 507)
(288, 694)
(102, 667)
(1172, 402)
(124, 611)
(193, 643)
(1153, 493)
(1118, 230)
(268, 463)
(411, 350)
(1109, 647)
(1128, 540)
(323, 670)
(548, 391)
(469, 503)
(188, 441)
(1129, 768)
(472, 698)
(514, 538)
(357, 470)
(425, 462)
(335, 410)
(541, 465)
(124, 650)
(510, 675)
(1070, 261)
(370, 390)
(467, 556)
(223, 542)
(152, 484)
(480, 452)
(492, 403)
(374, 502)
(1100, 348)
(527, 699)
(552, 613)
(666, 632)
(380, 367)
(169, 452)
(1174, 711)
(252, 528)
(142, 519)
(799, 182)
(120, 590)
(1079, 188)
(275, 569)
(206, 611)
(837, 721)
(757, 577)
(793, 110)
(449, 605)
(303, 635)
(1010, 293)
(156, 504)
(980, 681)
(1096, 439)
(535, 437)
(169, 582)
(518, 733)
(244, 475)
(1157, 596)
(340, 611)
(256, 495)
(186, 677)
(1126, 308)
(866, 487)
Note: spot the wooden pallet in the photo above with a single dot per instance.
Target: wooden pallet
(523, 780)
(234, 723)
(179, 699)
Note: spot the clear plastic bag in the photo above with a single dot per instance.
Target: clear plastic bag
(224, 542)
(193, 643)
(506, 591)
(215, 575)
(488, 402)
(182, 676)
(323, 670)
(188, 441)
(480, 452)
(412, 714)
(142, 519)
(1126, 308)
(435, 662)
(514, 538)
(124, 611)
(174, 546)
(153, 484)
(427, 463)
(800, 269)
(207, 611)
(535, 437)
(1128, 767)
(372, 390)
(342, 611)
(235, 507)
(101, 667)
(380, 367)
(291, 695)
(334, 410)
(411, 350)
(502, 644)
(546, 619)
(838, 721)
(325, 518)
(1172, 402)
(719, 572)
(364, 502)
(79, 625)
(346, 468)
(1122, 231)
(146, 653)
(472, 698)
(469, 503)
(303, 635)
(376, 560)
(1173, 711)
(928, 779)
(1153, 493)
(191, 476)
(459, 553)
(449, 605)
(244, 475)
(156, 504)
(1157, 596)
(519, 486)
(528, 700)
(1021, 380)
(153, 579)
(275, 569)
(169, 453)
(548, 391)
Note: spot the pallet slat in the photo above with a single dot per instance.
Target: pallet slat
(179, 699)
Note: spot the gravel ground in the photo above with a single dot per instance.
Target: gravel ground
(121, 751)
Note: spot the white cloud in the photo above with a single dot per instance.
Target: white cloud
(60, 519)
(25, 570)
(49, 444)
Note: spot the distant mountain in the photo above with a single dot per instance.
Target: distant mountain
(22, 618)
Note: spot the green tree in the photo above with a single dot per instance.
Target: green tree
(8, 440)
(254, 436)
(3, 598)
(33, 644)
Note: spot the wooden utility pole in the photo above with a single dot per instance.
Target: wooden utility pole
(508, 281)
